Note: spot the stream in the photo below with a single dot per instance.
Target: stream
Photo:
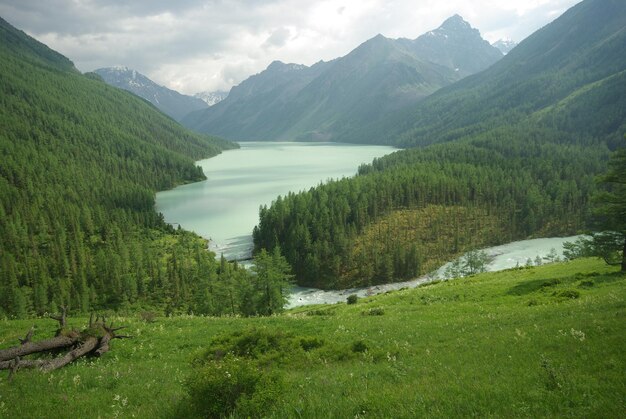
(502, 257)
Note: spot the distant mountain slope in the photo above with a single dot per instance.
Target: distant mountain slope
(211, 98)
(80, 164)
(168, 101)
(579, 56)
(333, 100)
(455, 44)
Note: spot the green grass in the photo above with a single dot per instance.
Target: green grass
(546, 341)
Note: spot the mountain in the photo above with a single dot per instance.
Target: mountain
(505, 154)
(455, 44)
(168, 101)
(332, 100)
(505, 45)
(567, 75)
(211, 98)
(81, 162)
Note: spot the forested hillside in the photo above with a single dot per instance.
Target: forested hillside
(80, 164)
(569, 75)
(522, 144)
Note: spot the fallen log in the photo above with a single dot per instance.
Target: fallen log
(57, 342)
(94, 340)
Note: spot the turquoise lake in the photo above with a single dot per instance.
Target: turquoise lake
(225, 207)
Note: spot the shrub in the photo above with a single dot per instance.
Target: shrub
(586, 284)
(148, 316)
(221, 388)
(550, 283)
(325, 312)
(573, 294)
(376, 311)
(352, 299)
(310, 343)
(252, 343)
(359, 346)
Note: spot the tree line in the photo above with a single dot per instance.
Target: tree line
(506, 184)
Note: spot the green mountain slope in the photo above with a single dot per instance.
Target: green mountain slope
(81, 162)
(329, 101)
(576, 52)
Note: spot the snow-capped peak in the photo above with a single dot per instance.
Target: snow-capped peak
(120, 68)
(505, 45)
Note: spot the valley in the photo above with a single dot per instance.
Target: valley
(340, 275)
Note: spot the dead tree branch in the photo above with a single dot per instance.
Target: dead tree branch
(95, 340)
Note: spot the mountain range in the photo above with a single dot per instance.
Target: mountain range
(328, 100)
(168, 101)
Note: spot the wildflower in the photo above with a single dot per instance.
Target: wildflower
(577, 334)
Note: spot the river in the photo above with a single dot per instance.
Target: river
(502, 257)
(225, 207)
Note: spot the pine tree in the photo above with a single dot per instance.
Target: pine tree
(611, 213)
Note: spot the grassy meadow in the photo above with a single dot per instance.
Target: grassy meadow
(536, 342)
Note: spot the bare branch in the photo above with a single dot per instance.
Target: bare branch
(122, 337)
(61, 318)
(28, 336)
(14, 367)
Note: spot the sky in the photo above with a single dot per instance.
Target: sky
(208, 45)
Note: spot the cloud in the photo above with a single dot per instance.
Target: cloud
(194, 45)
(278, 38)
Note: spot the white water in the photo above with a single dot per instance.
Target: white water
(504, 257)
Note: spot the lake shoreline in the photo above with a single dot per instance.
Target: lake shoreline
(224, 208)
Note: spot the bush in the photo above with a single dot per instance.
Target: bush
(310, 343)
(232, 385)
(572, 294)
(359, 346)
(325, 312)
(551, 283)
(376, 311)
(265, 344)
(586, 284)
(148, 316)
(352, 299)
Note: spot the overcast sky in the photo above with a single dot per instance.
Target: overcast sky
(196, 45)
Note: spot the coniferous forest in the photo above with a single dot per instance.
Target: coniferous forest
(81, 162)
